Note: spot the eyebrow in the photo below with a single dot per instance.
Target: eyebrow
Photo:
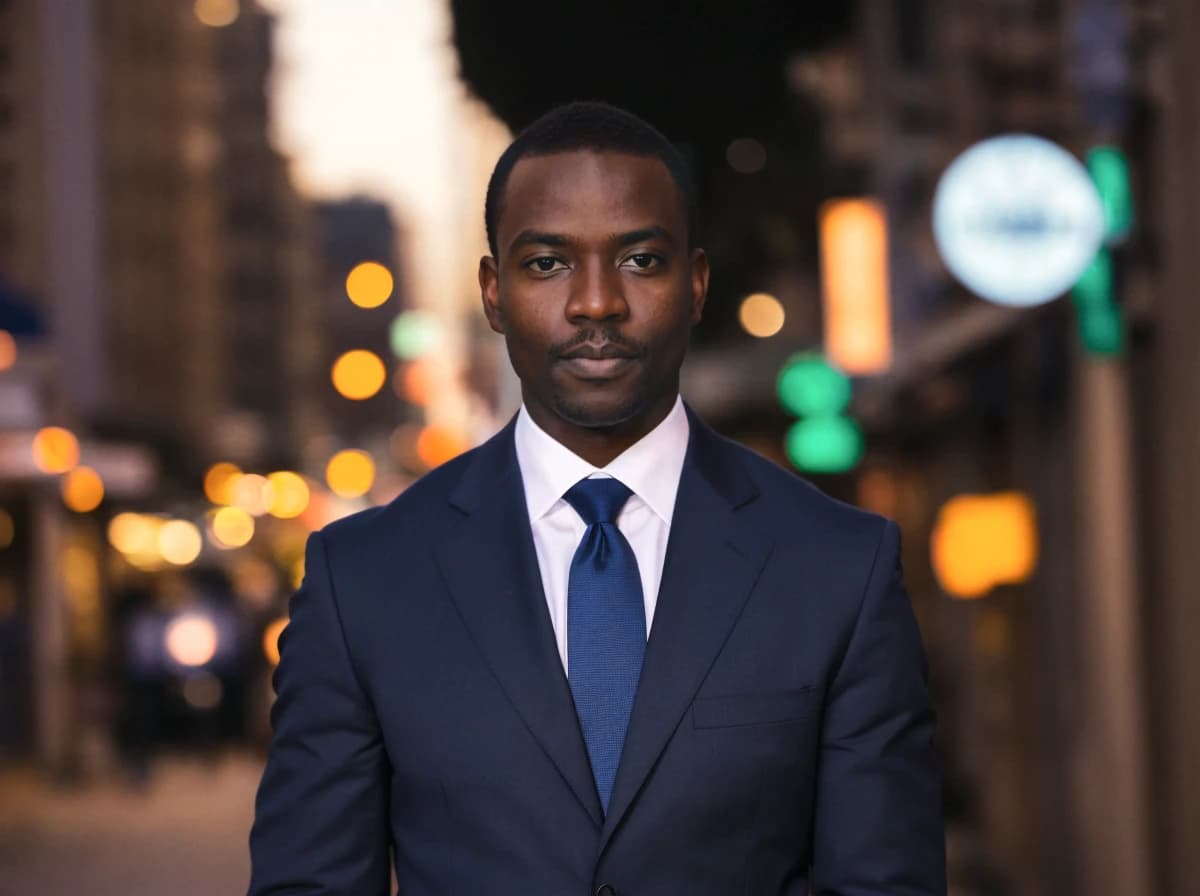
(542, 238)
(531, 237)
(642, 235)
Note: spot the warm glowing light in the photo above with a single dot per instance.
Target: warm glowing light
(217, 13)
(83, 489)
(231, 527)
(350, 473)
(369, 285)
(191, 640)
(8, 529)
(133, 533)
(55, 450)
(422, 380)
(8, 350)
(179, 542)
(291, 494)
(219, 482)
(253, 494)
(270, 640)
(855, 288)
(358, 374)
(438, 444)
(761, 315)
(981, 541)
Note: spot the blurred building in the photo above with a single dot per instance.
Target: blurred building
(271, 296)
(156, 270)
(351, 232)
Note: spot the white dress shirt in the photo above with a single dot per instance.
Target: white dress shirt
(650, 469)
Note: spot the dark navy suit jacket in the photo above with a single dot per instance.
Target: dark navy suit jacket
(780, 737)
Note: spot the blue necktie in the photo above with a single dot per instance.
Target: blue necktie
(606, 627)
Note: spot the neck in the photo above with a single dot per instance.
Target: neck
(600, 445)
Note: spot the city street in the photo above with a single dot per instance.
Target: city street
(185, 835)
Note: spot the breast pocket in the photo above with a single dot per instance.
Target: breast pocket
(738, 710)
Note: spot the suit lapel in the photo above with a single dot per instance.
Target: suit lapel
(490, 566)
(713, 560)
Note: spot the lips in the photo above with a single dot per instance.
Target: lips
(598, 362)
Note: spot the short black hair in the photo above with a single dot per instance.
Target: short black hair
(595, 126)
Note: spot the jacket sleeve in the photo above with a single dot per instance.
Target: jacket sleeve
(878, 817)
(321, 817)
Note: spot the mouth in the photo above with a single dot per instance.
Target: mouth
(598, 362)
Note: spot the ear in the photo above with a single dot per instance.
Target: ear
(489, 291)
(699, 266)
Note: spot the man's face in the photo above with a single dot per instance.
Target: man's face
(594, 288)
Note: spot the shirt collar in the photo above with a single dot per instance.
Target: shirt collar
(650, 467)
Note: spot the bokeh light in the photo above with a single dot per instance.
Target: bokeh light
(219, 482)
(422, 380)
(414, 334)
(8, 350)
(437, 444)
(350, 473)
(981, 541)
(270, 639)
(231, 527)
(179, 542)
(290, 494)
(358, 374)
(55, 450)
(369, 285)
(191, 639)
(217, 13)
(134, 533)
(809, 386)
(253, 493)
(761, 315)
(83, 490)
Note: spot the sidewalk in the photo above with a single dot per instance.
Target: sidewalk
(184, 835)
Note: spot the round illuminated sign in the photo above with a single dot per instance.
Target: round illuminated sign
(1017, 219)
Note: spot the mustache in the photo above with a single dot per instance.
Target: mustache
(598, 336)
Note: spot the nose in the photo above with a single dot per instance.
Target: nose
(597, 294)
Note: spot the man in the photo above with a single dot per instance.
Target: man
(607, 652)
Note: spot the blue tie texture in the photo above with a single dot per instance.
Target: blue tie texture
(606, 627)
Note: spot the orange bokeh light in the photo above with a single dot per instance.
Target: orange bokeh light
(855, 285)
(438, 444)
(8, 350)
(55, 450)
(83, 489)
(358, 374)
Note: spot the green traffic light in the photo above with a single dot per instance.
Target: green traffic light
(1109, 168)
(809, 386)
(824, 444)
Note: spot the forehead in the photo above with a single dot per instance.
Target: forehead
(585, 191)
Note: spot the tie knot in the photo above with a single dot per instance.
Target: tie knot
(598, 500)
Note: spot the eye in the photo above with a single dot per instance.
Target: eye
(644, 261)
(545, 264)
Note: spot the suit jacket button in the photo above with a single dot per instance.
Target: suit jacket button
(606, 890)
